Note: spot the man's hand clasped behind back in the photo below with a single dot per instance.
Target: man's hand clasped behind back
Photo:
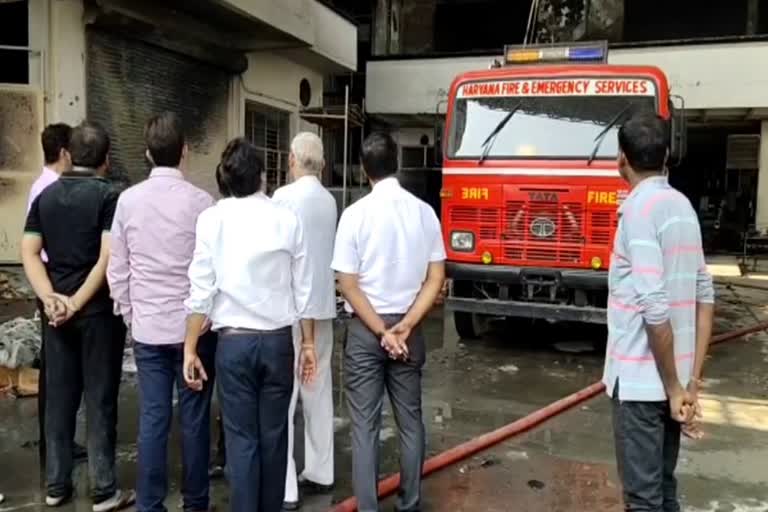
(685, 409)
(395, 341)
(691, 428)
(59, 308)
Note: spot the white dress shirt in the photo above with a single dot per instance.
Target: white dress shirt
(250, 268)
(316, 209)
(388, 238)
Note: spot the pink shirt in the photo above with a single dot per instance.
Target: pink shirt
(46, 177)
(153, 239)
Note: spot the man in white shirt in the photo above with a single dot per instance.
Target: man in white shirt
(250, 275)
(316, 209)
(390, 262)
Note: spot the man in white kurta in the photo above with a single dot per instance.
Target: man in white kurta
(317, 210)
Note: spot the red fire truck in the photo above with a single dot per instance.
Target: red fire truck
(530, 182)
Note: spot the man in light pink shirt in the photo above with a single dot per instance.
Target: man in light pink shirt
(55, 141)
(153, 239)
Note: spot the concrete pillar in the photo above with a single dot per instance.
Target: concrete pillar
(380, 29)
(395, 26)
(235, 109)
(753, 11)
(761, 215)
(65, 91)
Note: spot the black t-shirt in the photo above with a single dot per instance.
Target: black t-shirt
(70, 215)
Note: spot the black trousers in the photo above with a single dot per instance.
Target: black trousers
(83, 357)
(41, 384)
(647, 446)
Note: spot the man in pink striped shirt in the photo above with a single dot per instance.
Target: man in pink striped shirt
(660, 311)
(153, 239)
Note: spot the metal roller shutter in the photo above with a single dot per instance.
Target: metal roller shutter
(129, 81)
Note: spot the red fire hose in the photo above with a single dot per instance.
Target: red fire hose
(390, 485)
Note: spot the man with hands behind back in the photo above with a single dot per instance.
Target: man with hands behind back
(660, 311)
(389, 258)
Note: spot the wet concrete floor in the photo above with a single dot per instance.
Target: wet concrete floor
(473, 387)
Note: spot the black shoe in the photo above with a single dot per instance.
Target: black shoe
(216, 472)
(309, 487)
(291, 505)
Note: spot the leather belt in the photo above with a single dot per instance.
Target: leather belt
(240, 331)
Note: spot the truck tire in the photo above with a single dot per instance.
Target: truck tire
(467, 325)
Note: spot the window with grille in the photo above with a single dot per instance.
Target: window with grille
(269, 130)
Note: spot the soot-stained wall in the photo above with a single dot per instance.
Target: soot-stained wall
(128, 81)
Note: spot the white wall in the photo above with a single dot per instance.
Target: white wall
(65, 88)
(274, 80)
(335, 37)
(413, 86)
(291, 16)
(57, 62)
(761, 213)
(707, 76)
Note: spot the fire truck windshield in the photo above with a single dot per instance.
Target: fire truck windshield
(547, 126)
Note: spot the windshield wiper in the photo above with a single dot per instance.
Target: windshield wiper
(604, 132)
(488, 142)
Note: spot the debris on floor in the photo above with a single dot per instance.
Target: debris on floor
(509, 368)
(13, 285)
(19, 342)
(19, 382)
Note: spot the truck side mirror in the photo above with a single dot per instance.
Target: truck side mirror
(678, 143)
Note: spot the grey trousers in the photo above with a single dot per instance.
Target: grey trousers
(368, 372)
(647, 446)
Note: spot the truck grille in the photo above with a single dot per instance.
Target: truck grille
(544, 231)
(484, 220)
(601, 225)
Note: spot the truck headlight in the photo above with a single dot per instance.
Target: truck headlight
(463, 241)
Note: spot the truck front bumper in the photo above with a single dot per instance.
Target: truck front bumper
(502, 274)
(506, 275)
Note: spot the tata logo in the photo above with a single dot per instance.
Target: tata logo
(543, 227)
(543, 196)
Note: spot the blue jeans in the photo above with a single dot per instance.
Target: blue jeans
(159, 369)
(255, 384)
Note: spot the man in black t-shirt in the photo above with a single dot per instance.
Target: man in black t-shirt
(71, 221)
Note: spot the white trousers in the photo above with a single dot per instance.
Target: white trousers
(317, 406)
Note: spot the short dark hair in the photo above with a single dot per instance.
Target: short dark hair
(239, 172)
(164, 136)
(89, 145)
(379, 155)
(644, 139)
(54, 138)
